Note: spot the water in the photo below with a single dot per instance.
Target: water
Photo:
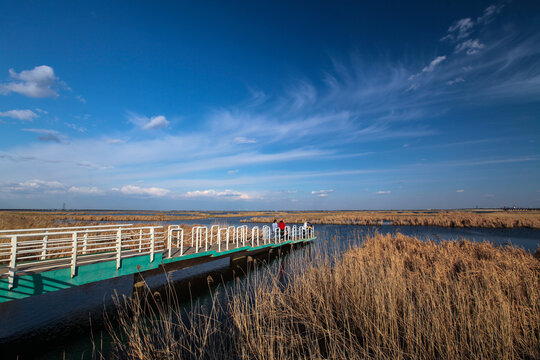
(78, 344)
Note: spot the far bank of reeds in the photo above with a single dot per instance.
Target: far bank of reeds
(443, 218)
(495, 219)
(392, 297)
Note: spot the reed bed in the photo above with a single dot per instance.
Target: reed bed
(389, 297)
(483, 219)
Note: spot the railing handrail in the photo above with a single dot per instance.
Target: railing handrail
(78, 230)
(64, 228)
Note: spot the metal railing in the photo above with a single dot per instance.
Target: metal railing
(34, 250)
(217, 237)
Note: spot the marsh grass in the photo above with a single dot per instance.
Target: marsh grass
(443, 218)
(390, 297)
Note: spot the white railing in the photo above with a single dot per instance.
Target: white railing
(37, 250)
(34, 250)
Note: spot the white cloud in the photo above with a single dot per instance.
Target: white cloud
(115, 141)
(470, 46)
(35, 186)
(230, 172)
(48, 135)
(322, 193)
(244, 140)
(225, 194)
(383, 192)
(137, 190)
(83, 190)
(36, 83)
(24, 115)
(460, 191)
(156, 122)
(146, 123)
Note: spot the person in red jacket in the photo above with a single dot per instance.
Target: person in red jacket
(281, 226)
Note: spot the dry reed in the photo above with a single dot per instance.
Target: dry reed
(392, 297)
(483, 219)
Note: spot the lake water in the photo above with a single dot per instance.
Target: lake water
(76, 341)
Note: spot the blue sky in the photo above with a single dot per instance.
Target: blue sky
(269, 105)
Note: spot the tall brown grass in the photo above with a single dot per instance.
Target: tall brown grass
(495, 219)
(392, 297)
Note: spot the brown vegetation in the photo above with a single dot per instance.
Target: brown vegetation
(42, 219)
(393, 297)
(483, 219)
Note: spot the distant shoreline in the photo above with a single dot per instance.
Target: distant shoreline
(481, 218)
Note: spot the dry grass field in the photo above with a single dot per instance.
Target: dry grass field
(391, 297)
(40, 219)
(452, 218)
(444, 218)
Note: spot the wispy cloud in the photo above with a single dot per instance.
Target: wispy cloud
(146, 191)
(244, 140)
(460, 191)
(383, 192)
(434, 63)
(470, 46)
(24, 115)
(36, 83)
(322, 193)
(48, 135)
(85, 190)
(75, 127)
(81, 99)
(489, 13)
(225, 194)
(459, 30)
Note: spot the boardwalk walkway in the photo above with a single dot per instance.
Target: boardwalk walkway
(34, 261)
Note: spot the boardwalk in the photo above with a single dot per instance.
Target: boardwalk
(35, 261)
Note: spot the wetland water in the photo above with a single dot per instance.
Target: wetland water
(74, 340)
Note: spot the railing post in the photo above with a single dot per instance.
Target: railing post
(152, 243)
(169, 240)
(118, 248)
(44, 246)
(12, 262)
(74, 254)
(140, 240)
(182, 244)
(206, 241)
(180, 230)
(85, 241)
(219, 239)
